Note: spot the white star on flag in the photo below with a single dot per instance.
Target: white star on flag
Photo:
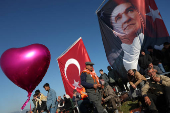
(76, 84)
(154, 14)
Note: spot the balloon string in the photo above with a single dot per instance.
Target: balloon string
(29, 95)
(30, 107)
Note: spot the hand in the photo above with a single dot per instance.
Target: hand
(95, 86)
(42, 111)
(147, 100)
(103, 99)
(134, 86)
(156, 79)
(98, 85)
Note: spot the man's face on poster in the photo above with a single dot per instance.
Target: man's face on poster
(126, 22)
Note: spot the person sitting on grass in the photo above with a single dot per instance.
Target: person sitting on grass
(156, 89)
(136, 80)
(110, 97)
(157, 69)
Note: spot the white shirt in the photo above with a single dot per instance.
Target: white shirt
(132, 52)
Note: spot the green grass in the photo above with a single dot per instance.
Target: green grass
(128, 106)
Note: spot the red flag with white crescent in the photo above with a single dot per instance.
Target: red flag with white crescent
(71, 64)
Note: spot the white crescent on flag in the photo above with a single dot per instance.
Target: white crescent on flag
(71, 61)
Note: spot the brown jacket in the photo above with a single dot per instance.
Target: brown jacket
(109, 93)
(156, 87)
(136, 79)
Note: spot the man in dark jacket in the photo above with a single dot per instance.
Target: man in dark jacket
(157, 57)
(143, 62)
(113, 78)
(104, 77)
(91, 83)
(60, 103)
(166, 52)
(67, 102)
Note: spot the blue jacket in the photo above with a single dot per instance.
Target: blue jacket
(51, 99)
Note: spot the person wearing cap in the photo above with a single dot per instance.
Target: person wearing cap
(157, 57)
(144, 60)
(90, 81)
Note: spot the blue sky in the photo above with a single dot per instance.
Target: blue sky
(56, 24)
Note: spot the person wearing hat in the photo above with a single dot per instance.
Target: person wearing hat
(90, 81)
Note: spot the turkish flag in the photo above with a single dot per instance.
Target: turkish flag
(155, 26)
(71, 64)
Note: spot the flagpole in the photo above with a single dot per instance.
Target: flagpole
(100, 6)
(69, 48)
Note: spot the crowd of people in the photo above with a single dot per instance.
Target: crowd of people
(150, 86)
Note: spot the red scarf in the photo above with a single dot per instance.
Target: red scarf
(93, 75)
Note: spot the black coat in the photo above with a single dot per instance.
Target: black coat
(144, 61)
(61, 102)
(68, 103)
(42, 107)
(156, 56)
(166, 53)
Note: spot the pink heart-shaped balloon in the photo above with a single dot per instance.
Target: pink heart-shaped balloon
(26, 66)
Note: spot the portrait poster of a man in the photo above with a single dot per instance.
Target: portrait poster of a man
(127, 26)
